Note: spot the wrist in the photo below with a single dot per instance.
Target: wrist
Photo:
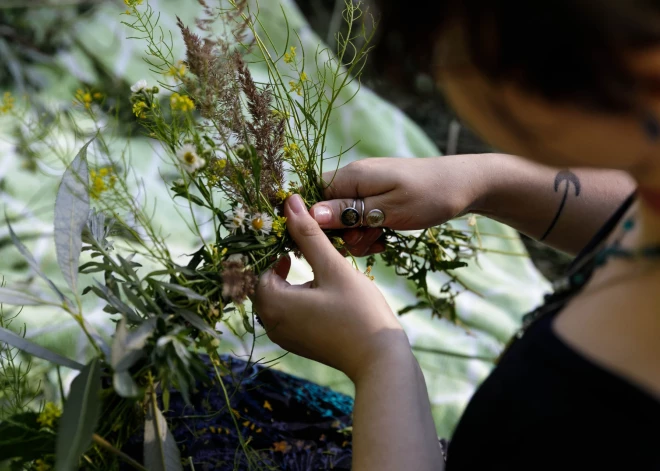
(490, 176)
(396, 353)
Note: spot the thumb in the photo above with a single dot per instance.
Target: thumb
(311, 240)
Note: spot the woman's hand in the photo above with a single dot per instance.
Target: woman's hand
(340, 318)
(412, 193)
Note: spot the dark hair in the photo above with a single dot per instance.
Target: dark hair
(564, 50)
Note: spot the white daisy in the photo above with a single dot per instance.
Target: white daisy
(237, 219)
(139, 86)
(261, 223)
(189, 158)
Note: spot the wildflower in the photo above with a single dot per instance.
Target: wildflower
(279, 226)
(303, 77)
(290, 150)
(237, 282)
(98, 96)
(139, 86)
(290, 56)
(181, 102)
(261, 223)
(282, 447)
(101, 180)
(41, 465)
(48, 415)
(139, 109)
(296, 87)
(472, 221)
(133, 3)
(7, 103)
(189, 158)
(236, 220)
(84, 98)
(177, 70)
(267, 406)
(215, 170)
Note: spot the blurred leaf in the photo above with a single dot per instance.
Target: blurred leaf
(31, 260)
(71, 212)
(26, 346)
(160, 450)
(22, 436)
(20, 298)
(78, 421)
(104, 292)
(190, 294)
(124, 385)
(198, 323)
(127, 347)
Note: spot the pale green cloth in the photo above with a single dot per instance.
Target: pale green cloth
(508, 285)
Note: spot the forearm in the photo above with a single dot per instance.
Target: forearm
(563, 208)
(393, 427)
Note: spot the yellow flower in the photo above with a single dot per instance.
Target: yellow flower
(282, 447)
(98, 95)
(304, 77)
(279, 226)
(290, 56)
(177, 70)
(181, 102)
(290, 150)
(139, 109)
(83, 98)
(101, 181)
(268, 406)
(41, 465)
(48, 415)
(133, 3)
(281, 195)
(7, 103)
(296, 87)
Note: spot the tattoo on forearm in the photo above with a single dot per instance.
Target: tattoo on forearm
(569, 177)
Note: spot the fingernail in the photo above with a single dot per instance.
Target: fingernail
(296, 204)
(322, 214)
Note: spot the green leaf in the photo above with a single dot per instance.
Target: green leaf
(309, 117)
(198, 323)
(71, 212)
(190, 294)
(105, 293)
(21, 436)
(26, 346)
(124, 385)
(78, 421)
(160, 450)
(127, 347)
(415, 307)
(20, 298)
(31, 261)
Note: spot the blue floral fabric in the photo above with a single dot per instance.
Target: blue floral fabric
(288, 423)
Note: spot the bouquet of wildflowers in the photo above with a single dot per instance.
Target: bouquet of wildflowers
(240, 147)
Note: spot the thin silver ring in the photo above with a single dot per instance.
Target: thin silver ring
(362, 214)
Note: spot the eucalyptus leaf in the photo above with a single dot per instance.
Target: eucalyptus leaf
(198, 323)
(20, 298)
(124, 385)
(160, 450)
(125, 354)
(29, 258)
(190, 294)
(117, 303)
(78, 421)
(71, 212)
(26, 346)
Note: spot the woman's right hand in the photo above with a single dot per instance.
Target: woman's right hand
(412, 193)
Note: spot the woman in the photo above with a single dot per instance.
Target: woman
(574, 87)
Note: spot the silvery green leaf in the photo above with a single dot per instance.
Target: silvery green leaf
(31, 348)
(190, 294)
(71, 211)
(127, 347)
(20, 298)
(124, 385)
(29, 258)
(98, 340)
(160, 450)
(118, 304)
(78, 422)
(198, 323)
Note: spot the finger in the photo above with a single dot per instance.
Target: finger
(283, 266)
(274, 297)
(361, 178)
(328, 213)
(311, 240)
(367, 239)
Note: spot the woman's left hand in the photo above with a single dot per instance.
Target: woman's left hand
(340, 318)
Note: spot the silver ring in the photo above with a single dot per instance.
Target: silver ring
(375, 218)
(350, 217)
(362, 214)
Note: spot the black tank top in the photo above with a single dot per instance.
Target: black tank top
(545, 406)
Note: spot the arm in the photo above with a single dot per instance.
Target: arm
(420, 193)
(563, 208)
(341, 319)
(393, 427)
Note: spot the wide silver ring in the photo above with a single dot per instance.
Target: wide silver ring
(351, 217)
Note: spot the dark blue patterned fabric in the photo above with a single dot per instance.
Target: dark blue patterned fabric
(288, 423)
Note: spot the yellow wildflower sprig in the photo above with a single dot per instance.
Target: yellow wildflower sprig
(7, 104)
